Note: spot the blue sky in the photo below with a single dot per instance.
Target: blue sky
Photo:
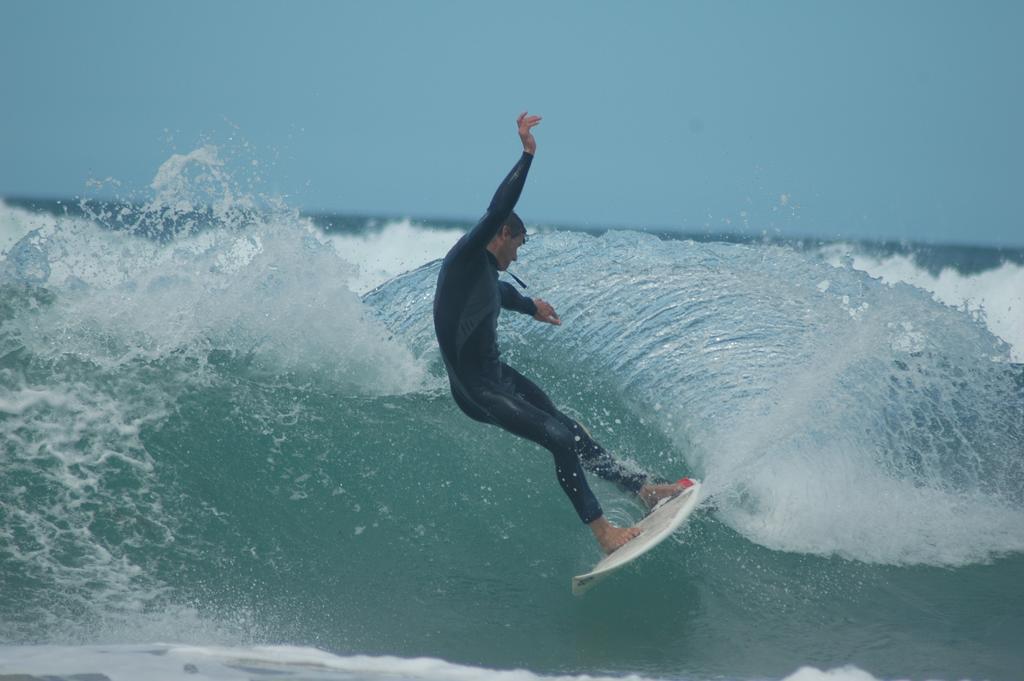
(897, 120)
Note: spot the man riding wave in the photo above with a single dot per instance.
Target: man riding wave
(467, 302)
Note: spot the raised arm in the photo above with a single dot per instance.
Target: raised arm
(507, 195)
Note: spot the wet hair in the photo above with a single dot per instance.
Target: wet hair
(515, 225)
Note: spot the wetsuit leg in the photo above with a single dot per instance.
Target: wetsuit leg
(593, 456)
(513, 413)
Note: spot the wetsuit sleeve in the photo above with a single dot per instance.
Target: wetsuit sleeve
(501, 205)
(511, 299)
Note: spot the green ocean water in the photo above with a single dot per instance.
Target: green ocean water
(290, 529)
(211, 439)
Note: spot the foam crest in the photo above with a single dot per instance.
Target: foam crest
(394, 248)
(995, 294)
(16, 222)
(255, 284)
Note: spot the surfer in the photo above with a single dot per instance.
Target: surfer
(467, 302)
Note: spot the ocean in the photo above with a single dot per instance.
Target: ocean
(229, 451)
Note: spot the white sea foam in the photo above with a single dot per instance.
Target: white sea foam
(846, 456)
(827, 500)
(17, 222)
(165, 662)
(270, 288)
(997, 293)
(397, 247)
(73, 446)
(848, 673)
(84, 520)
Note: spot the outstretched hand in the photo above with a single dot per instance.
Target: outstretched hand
(526, 124)
(546, 313)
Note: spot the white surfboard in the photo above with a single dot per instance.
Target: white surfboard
(655, 528)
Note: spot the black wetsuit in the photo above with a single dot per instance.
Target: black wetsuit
(467, 302)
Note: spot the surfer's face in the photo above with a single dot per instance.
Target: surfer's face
(506, 247)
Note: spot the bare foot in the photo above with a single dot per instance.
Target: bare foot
(611, 537)
(652, 494)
